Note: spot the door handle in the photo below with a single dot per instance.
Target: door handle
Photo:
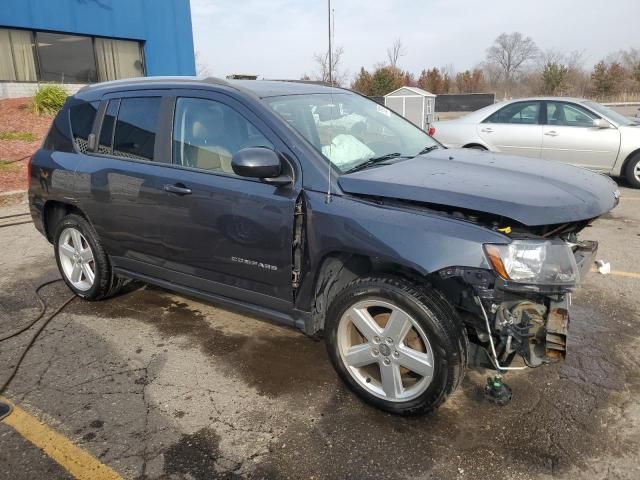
(487, 130)
(552, 133)
(178, 189)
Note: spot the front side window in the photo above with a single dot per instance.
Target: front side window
(206, 134)
(66, 58)
(569, 115)
(82, 117)
(136, 128)
(349, 129)
(521, 113)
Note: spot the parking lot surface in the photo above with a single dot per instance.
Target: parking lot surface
(157, 385)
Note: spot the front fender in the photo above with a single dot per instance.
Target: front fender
(422, 241)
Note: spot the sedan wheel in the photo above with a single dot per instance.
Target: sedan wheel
(76, 259)
(385, 350)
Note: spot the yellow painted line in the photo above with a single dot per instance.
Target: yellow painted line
(79, 463)
(629, 198)
(620, 274)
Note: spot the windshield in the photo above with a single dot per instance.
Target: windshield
(350, 130)
(611, 114)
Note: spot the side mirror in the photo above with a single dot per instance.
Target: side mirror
(601, 123)
(259, 162)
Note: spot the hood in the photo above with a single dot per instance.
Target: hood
(530, 191)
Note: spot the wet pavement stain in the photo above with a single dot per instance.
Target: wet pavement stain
(196, 456)
(273, 363)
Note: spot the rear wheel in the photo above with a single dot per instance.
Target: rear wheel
(399, 347)
(633, 171)
(82, 261)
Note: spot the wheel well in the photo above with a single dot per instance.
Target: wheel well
(338, 270)
(55, 211)
(474, 145)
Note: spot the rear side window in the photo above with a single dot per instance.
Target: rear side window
(521, 113)
(136, 128)
(82, 118)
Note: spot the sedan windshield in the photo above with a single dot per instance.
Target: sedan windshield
(351, 131)
(611, 114)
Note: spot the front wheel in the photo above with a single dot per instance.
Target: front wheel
(400, 347)
(633, 171)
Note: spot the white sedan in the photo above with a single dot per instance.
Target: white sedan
(579, 132)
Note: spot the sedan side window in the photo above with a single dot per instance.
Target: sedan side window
(206, 134)
(569, 115)
(520, 113)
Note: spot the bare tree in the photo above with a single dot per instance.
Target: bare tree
(396, 51)
(322, 60)
(511, 52)
(202, 70)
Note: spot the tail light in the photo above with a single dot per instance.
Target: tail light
(432, 131)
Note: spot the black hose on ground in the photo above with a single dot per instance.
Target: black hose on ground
(34, 337)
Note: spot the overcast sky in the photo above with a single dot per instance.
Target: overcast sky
(277, 38)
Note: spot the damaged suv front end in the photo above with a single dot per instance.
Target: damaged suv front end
(527, 310)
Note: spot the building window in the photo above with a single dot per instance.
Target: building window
(17, 61)
(64, 58)
(118, 59)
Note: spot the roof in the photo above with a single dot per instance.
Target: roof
(260, 88)
(414, 90)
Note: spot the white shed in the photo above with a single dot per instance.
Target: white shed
(414, 104)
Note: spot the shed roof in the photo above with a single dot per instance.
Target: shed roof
(409, 91)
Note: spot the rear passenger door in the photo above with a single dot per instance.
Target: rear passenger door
(121, 180)
(515, 129)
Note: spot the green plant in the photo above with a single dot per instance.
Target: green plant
(24, 136)
(48, 99)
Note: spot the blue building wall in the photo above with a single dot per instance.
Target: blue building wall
(163, 25)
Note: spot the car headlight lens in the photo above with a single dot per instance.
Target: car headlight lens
(539, 262)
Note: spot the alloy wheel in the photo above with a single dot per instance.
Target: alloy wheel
(76, 259)
(385, 350)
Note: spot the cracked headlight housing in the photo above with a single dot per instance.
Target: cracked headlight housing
(536, 262)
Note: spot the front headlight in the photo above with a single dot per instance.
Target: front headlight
(539, 262)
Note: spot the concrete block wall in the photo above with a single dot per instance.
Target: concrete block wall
(27, 89)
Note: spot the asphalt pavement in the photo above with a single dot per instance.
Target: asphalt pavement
(157, 385)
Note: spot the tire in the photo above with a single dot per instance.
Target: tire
(75, 230)
(360, 364)
(632, 171)
(477, 147)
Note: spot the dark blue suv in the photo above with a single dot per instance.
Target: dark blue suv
(321, 209)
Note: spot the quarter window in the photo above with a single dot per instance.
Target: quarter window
(136, 128)
(82, 117)
(521, 113)
(206, 134)
(569, 115)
